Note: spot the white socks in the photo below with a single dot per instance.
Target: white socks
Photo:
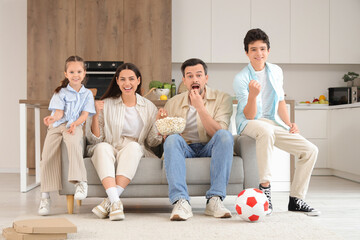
(112, 194)
(119, 190)
(45, 195)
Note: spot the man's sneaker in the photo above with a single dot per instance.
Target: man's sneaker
(267, 192)
(216, 208)
(81, 189)
(299, 205)
(181, 211)
(102, 210)
(44, 208)
(117, 211)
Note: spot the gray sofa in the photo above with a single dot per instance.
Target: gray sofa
(150, 179)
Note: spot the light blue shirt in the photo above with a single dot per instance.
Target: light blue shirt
(72, 103)
(241, 88)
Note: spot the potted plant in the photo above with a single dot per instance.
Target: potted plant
(350, 77)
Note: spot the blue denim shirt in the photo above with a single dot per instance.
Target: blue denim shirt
(72, 103)
(241, 88)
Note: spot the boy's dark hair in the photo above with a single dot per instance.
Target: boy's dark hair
(254, 35)
(113, 90)
(192, 62)
(65, 81)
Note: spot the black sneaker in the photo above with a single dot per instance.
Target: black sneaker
(267, 192)
(299, 205)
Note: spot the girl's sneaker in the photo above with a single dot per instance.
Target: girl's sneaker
(81, 189)
(44, 208)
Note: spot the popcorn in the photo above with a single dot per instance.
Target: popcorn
(170, 125)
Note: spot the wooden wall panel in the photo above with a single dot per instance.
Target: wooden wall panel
(99, 30)
(147, 38)
(51, 40)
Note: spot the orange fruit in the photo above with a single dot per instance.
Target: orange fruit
(322, 97)
(163, 97)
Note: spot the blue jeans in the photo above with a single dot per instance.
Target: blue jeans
(220, 148)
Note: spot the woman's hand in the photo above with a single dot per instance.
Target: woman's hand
(162, 113)
(99, 106)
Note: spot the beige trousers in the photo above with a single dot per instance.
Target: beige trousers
(110, 162)
(51, 157)
(269, 134)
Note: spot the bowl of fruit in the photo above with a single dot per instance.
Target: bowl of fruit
(321, 100)
(161, 90)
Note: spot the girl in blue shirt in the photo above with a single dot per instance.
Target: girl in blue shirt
(71, 104)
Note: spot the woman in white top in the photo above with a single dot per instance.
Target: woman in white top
(123, 122)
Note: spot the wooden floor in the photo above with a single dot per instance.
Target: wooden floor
(337, 198)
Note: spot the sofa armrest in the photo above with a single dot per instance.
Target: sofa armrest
(245, 147)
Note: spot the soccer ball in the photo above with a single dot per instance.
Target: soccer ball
(252, 204)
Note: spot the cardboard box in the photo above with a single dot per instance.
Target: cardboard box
(45, 225)
(11, 234)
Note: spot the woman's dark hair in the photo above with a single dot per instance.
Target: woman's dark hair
(255, 35)
(193, 62)
(113, 90)
(65, 81)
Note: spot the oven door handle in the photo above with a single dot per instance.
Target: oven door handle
(99, 72)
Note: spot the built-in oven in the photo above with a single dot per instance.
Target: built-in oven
(99, 75)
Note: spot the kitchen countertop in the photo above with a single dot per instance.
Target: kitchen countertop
(326, 107)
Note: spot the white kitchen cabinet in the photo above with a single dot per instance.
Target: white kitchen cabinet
(344, 141)
(344, 31)
(230, 23)
(273, 17)
(191, 30)
(313, 125)
(310, 31)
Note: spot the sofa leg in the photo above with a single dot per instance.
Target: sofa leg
(78, 202)
(70, 203)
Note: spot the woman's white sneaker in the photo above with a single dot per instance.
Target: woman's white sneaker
(117, 211)
(102, 210)
(44, 208)
(81, 189)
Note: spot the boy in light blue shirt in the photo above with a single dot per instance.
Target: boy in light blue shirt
(262, 115)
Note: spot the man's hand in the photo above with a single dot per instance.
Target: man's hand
(254, 88)
(196, 99)
(293, 128)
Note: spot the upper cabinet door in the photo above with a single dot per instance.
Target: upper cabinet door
(191, 30)
(273, 17)
(230, 23)
(99, 30)
(310, 31)
(344, 31)
(51, 40)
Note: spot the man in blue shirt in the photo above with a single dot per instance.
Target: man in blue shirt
(262, 115)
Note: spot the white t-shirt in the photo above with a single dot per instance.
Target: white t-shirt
(132, 123)
(191, 132)
(266, 93)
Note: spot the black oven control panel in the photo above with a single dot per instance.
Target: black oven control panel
(102, 65)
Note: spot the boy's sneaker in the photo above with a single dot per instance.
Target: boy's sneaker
(102, 210)
(181, 211)
(81, 189)
(299, 205)
(117, 211)
(44, 208)
(267, 192)
(216, 208)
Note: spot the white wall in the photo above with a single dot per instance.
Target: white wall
(13, 14)
(302, 82)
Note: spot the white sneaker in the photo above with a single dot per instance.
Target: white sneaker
(181, 211)
(81, 189)
(102, 210)
(44, 208)
(116, 211)
(216, 208)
